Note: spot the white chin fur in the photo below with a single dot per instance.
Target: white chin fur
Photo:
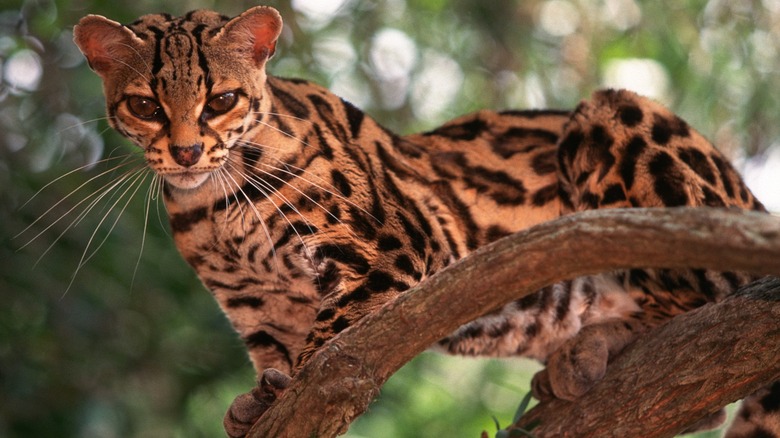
(186, 181)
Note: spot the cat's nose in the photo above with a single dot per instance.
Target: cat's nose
(187, 156)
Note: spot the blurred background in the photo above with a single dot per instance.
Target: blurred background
(106, 332)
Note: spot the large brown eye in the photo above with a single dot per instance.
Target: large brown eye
(220, 104)
(144, 108)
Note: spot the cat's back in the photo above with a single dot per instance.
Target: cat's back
(503, 162)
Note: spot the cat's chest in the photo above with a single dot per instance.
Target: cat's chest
(249, 241)
(233, 241)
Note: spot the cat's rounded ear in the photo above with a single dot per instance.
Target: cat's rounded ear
(106, 44)
(256, 30)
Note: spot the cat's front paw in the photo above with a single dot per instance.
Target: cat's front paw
(247, 408)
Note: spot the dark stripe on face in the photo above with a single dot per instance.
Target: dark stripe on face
(157, 63)
(216, 284)
(197, 33)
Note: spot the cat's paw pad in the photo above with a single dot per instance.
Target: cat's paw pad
(247, 408)
(575, 368)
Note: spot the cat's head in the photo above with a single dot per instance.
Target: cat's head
(182, 88)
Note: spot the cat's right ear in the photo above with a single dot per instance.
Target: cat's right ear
(106, 44)
(254, 32)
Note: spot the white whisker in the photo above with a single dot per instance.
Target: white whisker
(98, 196)
(138, 54)
(331, 191)
(225, 184)
(289, 116)
(282, 197)
(266, 231)
(132, 67)
(147, 209)
(267, 188)
(103, 191)
(287, 134)
(82, 123)
(65, 175)
(136, 180)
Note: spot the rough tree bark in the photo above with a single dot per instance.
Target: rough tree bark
(341, 379)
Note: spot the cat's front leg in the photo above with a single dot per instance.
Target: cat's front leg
(346, 303)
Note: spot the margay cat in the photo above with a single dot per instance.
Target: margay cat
(302, 215)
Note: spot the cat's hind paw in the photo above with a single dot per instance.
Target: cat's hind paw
(247, 408)
(582, 360)
(573, 370)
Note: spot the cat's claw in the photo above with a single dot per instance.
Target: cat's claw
(247, 408)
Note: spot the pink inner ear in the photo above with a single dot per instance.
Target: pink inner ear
(94, 48)
(262, 28)
(96, 53)
(101, 42)
(265, 42)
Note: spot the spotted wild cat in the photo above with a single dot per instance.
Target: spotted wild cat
(301, 214)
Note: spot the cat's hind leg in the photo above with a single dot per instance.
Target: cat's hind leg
(247, 408)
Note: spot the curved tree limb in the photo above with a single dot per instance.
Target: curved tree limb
(341, 379)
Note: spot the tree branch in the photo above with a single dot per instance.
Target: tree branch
(677, 373)
(343, 377)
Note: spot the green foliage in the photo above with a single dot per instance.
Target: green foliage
(521, 409)
(130, 344)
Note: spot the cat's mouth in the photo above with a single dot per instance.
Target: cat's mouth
(186, 180)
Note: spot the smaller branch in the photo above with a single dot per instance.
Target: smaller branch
(342, 378)
(677, 373)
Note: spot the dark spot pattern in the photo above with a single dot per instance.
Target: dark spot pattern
(667, 182)
(634, 149)
(699, 163)
(630, 115)
(183, 222)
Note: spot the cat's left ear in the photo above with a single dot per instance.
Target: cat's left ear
(257, 30)
(107, 44)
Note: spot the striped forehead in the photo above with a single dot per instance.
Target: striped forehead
(179, 66)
